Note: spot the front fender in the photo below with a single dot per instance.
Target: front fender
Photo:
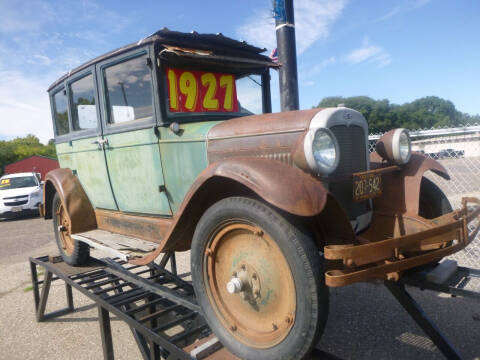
(73, 197)
(401, 189)
(277, 183)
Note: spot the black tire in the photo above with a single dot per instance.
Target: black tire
(433, 202)
(306, 266)
(80, 252)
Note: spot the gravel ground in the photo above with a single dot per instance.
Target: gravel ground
(365, 321)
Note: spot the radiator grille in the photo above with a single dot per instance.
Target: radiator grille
(351, 141)
(15, 203)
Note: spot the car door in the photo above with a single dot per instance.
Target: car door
(82, 146)
(131, 149)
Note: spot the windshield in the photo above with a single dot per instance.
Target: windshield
(17, 182)
(192, 91)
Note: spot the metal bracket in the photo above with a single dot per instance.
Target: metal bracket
(397, 289)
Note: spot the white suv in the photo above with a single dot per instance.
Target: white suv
(20, 193)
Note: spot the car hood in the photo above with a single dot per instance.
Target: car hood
(267, 135)
(17, 192)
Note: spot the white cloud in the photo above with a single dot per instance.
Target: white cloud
(24, 106)
(313, 20)
(33, 54)
(403, 8)
(23, 16)
(369, 53)
(315, 69)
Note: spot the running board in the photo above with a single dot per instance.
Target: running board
(116, 245)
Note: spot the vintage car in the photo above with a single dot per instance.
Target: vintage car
(20, 193)
(170, 142)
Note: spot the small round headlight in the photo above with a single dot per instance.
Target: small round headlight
(321, 150)
(401, 146)
(395, 146)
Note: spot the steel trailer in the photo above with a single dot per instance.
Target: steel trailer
(160, 307)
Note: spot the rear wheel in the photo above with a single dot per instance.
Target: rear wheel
(73, 252)
(259, 280)
(433, 202)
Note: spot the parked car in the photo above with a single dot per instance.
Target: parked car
(450, 153)
(170, 141)
(20, 193)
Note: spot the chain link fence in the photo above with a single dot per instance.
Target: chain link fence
(458, 150)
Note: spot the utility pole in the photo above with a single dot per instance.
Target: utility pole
(287, 54)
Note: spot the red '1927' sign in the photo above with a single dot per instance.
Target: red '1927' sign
(200, 91)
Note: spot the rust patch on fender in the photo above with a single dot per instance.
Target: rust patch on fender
(401, 189)
(74, 199)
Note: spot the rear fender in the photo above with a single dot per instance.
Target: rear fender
(401, 189)
(73, 197)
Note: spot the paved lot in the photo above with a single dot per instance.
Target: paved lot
(365, 322)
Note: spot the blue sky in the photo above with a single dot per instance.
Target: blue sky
(399, 50)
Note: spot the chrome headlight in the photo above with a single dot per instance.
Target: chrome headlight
(395, 146)
(321, 150)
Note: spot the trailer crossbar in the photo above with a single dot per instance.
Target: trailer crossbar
(156, 304)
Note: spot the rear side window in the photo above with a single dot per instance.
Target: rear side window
(84, 110)
(60, 114)
(129, 91)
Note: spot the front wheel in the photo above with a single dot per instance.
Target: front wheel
(73, 252)
(259, 281)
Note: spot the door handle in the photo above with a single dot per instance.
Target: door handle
(100, 142)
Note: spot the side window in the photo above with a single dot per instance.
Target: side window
(129, 91)
(84, 110)
(60, 114)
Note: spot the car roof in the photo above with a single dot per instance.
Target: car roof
(217, 43)
(18, 175)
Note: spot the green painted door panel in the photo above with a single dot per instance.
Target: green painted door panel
(133, 160)
(184, 156)
(89, 162)
(65, 155)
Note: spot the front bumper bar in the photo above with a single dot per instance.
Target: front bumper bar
(386, 259)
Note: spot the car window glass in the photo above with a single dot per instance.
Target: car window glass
(61, 112)
(17, 182)
(129, 91)
(84, 111)
(249, 94)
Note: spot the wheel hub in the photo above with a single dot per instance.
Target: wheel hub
(245, 282)
(63, 229)
(250, 285)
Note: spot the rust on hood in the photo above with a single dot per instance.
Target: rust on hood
(272, 136)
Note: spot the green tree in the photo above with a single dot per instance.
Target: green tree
(424, 113)
(21, 148)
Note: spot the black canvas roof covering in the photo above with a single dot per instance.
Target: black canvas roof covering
(217, 43)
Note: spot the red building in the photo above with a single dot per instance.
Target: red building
(36, 163)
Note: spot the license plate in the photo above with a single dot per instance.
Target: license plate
(366, 186)
(16, 209)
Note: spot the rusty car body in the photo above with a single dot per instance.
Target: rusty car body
(141, 162)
